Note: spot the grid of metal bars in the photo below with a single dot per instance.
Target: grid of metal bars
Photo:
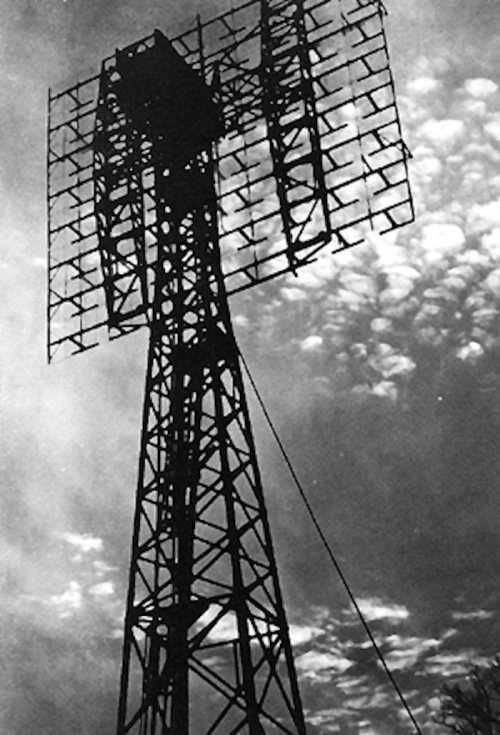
(317, 165)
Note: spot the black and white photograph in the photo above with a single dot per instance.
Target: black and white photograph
(250, 367)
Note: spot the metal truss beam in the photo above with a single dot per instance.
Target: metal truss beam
(289, 105)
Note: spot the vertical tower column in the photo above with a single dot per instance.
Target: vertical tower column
(289, 106)
(206, 646)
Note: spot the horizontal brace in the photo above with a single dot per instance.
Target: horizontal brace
(347, 64)
(65, 299)
(75, 119)
(71, 189)
(360, 136)
(77, 337)
(71, 225)
(69, 90)
(69, 157)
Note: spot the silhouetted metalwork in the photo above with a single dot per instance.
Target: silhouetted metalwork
(312, 155)
(262, 136)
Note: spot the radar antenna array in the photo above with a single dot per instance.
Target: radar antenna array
(186, 170)
(310, 156)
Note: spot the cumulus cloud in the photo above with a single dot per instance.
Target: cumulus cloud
(484, 217)
(300, 634)
(375, 609)
(492, 128)
(423, 85)
(321, 666)
(444, 134)
(452, 664)
(386, 361)
(83, 542)
(68, 601)
(293, 294)
(311, 343)
(385, 389)
(480, 87)
(103, 589)
(442, 239)
(405, 651)
(472, 615)
(471, 352)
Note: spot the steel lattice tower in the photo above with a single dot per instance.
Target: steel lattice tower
(137, 226)
(202, 558)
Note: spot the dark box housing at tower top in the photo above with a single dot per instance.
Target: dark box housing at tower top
(164, 97)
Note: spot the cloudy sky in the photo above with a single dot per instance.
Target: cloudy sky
(381, 369)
